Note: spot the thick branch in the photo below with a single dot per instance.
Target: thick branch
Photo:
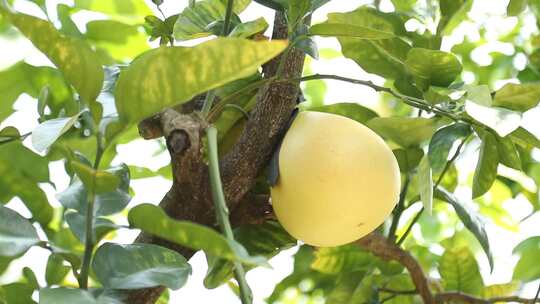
(383, 248)
(275, 103)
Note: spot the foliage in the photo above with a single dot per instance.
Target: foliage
(455, 126)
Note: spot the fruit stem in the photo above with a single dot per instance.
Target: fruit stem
(399, 209)
(222, 212)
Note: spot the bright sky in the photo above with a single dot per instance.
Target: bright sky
(262, 281)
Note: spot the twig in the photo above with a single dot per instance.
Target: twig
(209, 99)
(222, 212)
(399, 209)
(446, 297)
(439, 180)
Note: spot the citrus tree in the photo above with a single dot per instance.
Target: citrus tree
(219, 93)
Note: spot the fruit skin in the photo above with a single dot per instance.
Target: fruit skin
(338, 180)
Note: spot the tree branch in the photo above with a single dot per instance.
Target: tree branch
(386, 250)
(190, 197)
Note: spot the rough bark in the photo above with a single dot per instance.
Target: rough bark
(189, 197)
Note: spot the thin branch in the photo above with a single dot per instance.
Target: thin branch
(222, 212)
(439, 180)
(399, 209)
(447, 297)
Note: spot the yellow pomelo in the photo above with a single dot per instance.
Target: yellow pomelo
(338, 180)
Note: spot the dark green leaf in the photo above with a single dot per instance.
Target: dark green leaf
(527, 268)
(432, 67)
(353, 111)
(17, 234)
(518, 97)
(95, 181)
(79, 64)
(405, 131)
(267, 239)
(459, 271)
(64, 295)
(348, 289)
(383, 57)
(441, 143)
(408, 159)
(75, 196)
(471, 219)
(508, 155)
(167, 76)
(153, 220)
(486, 168)
(77, 224)
(139, 266)
(56, 271)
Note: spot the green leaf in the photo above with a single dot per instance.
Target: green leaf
(353, 111)
(95, 181)
(348, 289)
(486, 168)
(432, 67)
(383, 57)
(266, 239)
(425, 179)
(404, 131)
(8, 134)
(480, 94)
(193, 21)
(516, 7)
(500, 290)
(17, 234)
(120, 40)
(527, 268)
(459, 271)
(518, 97)
(73, 57)
(238, 5)
(248, 29)
(524, 138)
(453, 12)
(45, 134)
(130, 9)
(404, 5)
(55, 271)
(139, 266)
(408, 159)
(167, 76)
(501, 120)
(470, 218)
(153, 220)
(346, 258)
(16, 293)
(77, 224)
(63, 295)
(508, 154)
(24, 78)
(76, 196)
(20, 172)
(348, 30)
(441, 143)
